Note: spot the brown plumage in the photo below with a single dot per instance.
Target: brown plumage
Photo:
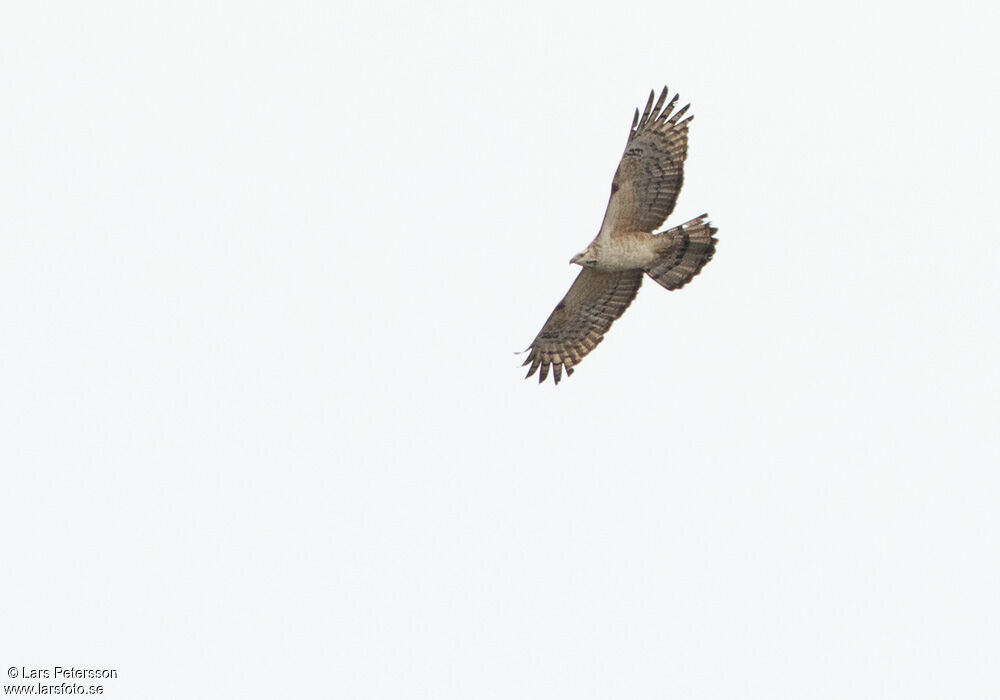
(643, 193)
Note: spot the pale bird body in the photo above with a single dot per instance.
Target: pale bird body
(625, 251)
(643, 194)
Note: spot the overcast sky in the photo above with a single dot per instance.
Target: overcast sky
(263, 272)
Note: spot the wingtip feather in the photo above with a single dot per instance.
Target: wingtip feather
(659, 102)
(680, 113)
(665, 114)
(649, 108)
(535, 362)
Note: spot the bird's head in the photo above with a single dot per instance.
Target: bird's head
(585, 258)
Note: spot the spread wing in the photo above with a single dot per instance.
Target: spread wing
(650, 174)
(578, 323)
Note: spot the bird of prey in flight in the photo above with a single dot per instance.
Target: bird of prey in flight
(643, 194)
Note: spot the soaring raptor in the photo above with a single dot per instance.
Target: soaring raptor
(643, 194)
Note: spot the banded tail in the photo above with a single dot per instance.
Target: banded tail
(692, 246)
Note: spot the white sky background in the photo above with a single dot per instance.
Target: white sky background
(263, 271)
